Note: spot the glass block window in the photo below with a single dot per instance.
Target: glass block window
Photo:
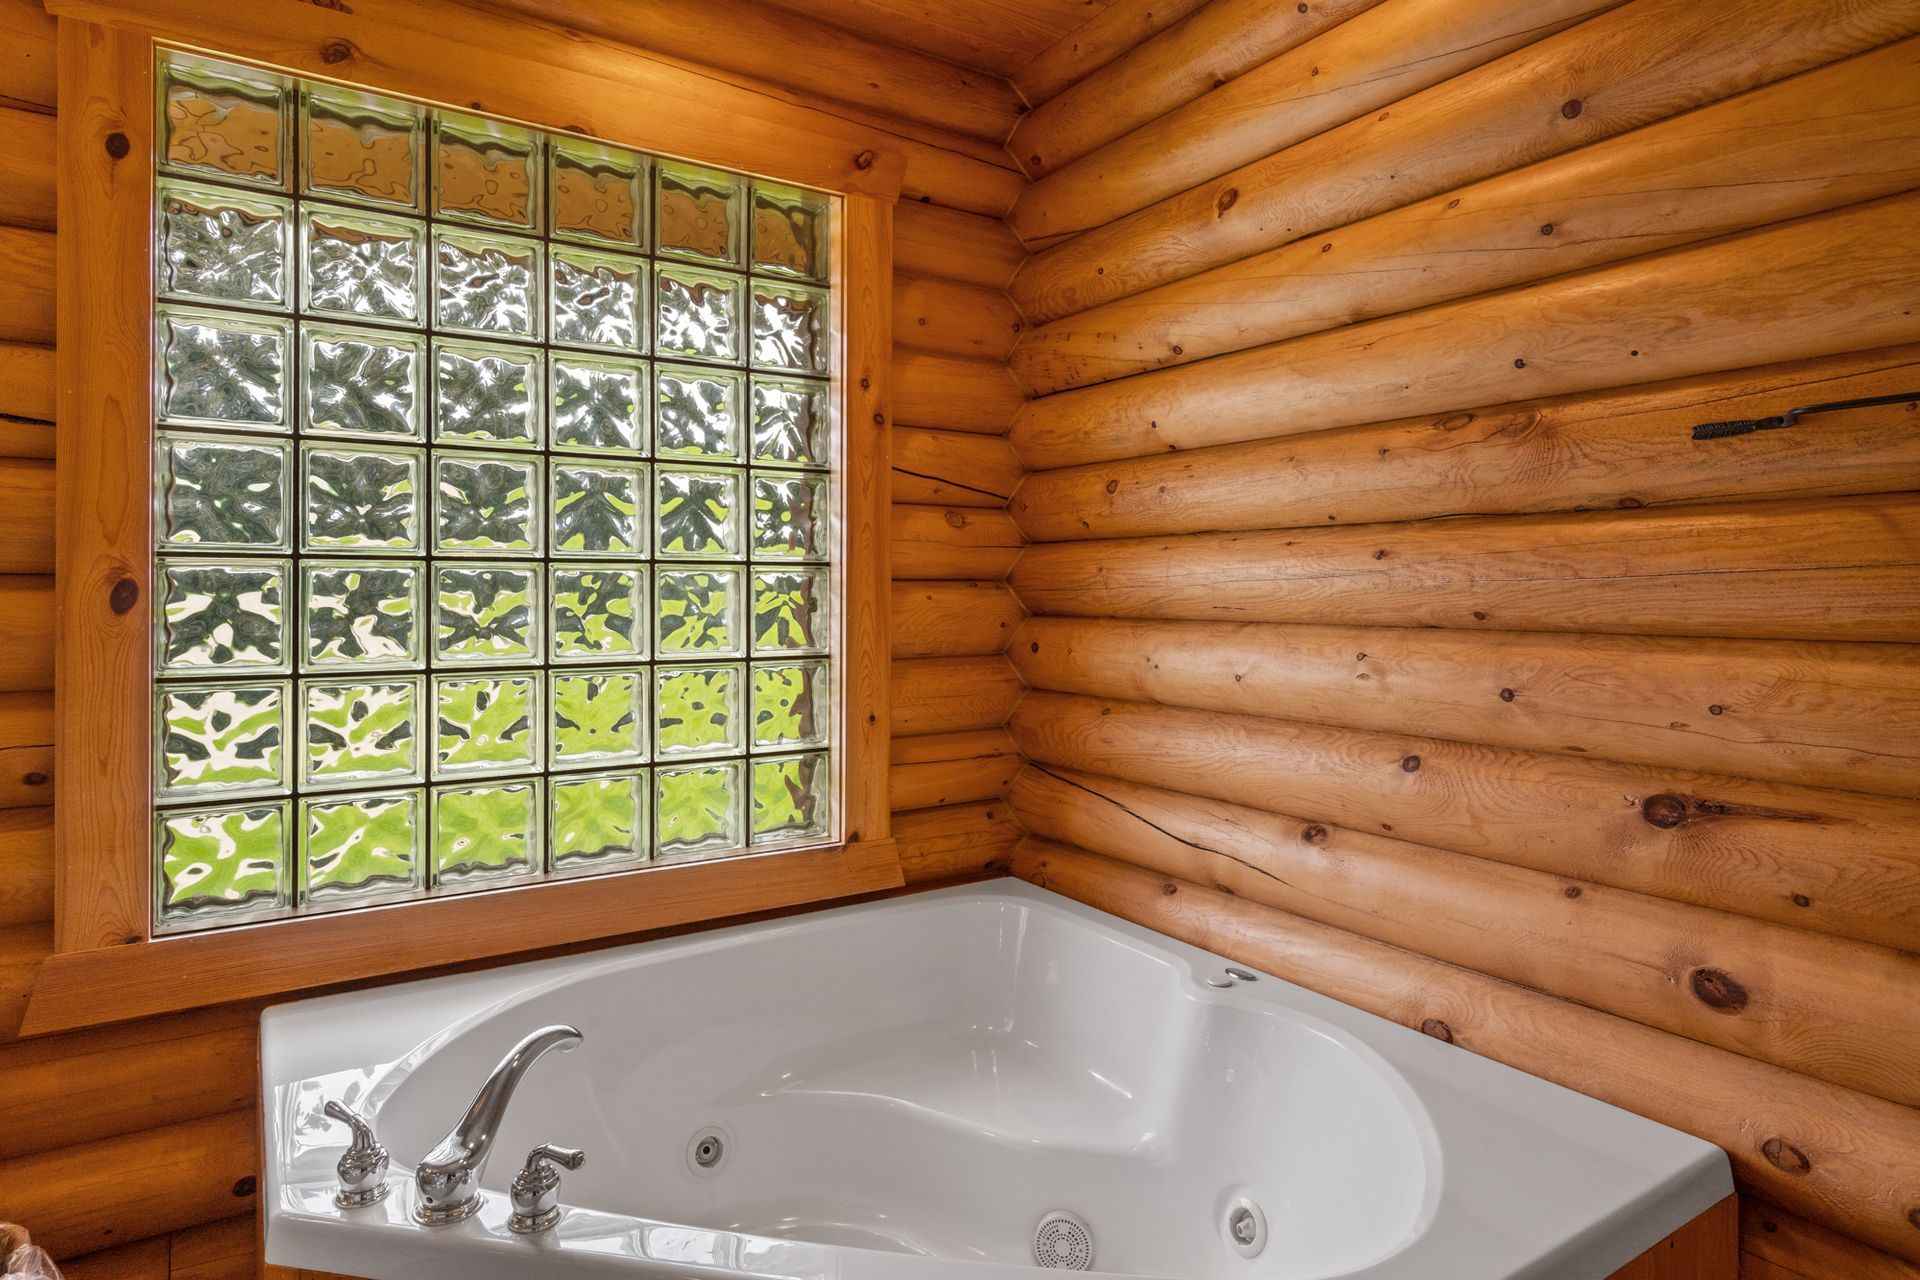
(494, 506)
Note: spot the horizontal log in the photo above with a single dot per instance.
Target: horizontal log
(956, 840)
(1824, 285)
(1825, 715)
(949, 468)
(952, 768)
(994, 37)
(1386, 53)
(149, 1259)
(26, 168)
(954, 394)
(227, 1250)
(162, 1179)
(1846, 1160)
(1824, 569)
(27, 72)
(26, 535)
(57, 1101)
(1832, 137)
(949, 245)
(26, 866)
(1824, 1007)
(937, 542)
(1775, 1244)
(26, 382)
(796, 52)
(962, 182)
(1629, 448)
(1121, 26)
(26, 282)
(1837, 862)
(945, 695)
(1631, 66)
(26, 632)
(933, 619)
(1218, 42)
(947, 317)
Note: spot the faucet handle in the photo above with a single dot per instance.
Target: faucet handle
(536, 1188)
(363, 1169)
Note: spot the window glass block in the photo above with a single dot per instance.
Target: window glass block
(222, 370)
(598, 194)
(485, 171)
(363, 382)
(361, 500)
(789, 232)
(486, 613)
(697, 711)
(697, 513)
(698, 613)
(361, 731)
(699, 809)
(599, 718)
(220, 862)
(223, 493)
(791, 417)
(363, 266)
(486, 284)
(487, 724)
(483, 834)
(699, 213)
(790, 704)
(363, 615)
(217, 618)
(224, 246)
(597, 613)
(358, 848)
(486, 504)
(599, 821)
(361, 146)
(790, 613)
(790, 517)
(598, 300)
(599, 510)
(790, 799)
(791, 328)
(224, 121)
(486, 394)
(698, 412)
(599, 405)
(229, 739)
(698, 313)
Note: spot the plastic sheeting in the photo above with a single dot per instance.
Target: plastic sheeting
(24, 1260)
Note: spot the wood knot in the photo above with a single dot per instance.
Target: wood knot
(1716, 709)
(1034, 646)
(1664, 811)
(1113, 486)
(1314, 834)
(1410, 764)
(866, 384)
(955, 520)
(1801, 900)
(1506, 695)
(246, 1186)
(1437, 1029)
(37, 778)
(1519, 364)
(1226, 200)
(879, 419)
(1913, 1219)
(1571, 891)
(123, 596)
(1479, 615)
(1169, 889)
(1786, 1157)
(335, 52)
(1571, 108)
(1546, 228)
(865, 159)
(117, 145)
(1718, 990)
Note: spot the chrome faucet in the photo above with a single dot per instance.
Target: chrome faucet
(448, 1179)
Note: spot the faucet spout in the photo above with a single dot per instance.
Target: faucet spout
(448, 1179)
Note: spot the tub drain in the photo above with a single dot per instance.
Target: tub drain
(1063, 1242)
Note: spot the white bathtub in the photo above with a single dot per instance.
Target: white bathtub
(904, 1088)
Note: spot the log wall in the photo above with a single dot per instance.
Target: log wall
(1388, 629)
(132, 1151)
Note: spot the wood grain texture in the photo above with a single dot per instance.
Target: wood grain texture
(1821, 1006)
(992, 35)
(1837, 862)
(953, 542)
(1778, 1245)
(26, 281)
(26, 633)
(945, 695)
(954, 393)
(26, 866)
(955, 840)
(1783, 711)
(951, 318)
(947, 619)
(1631, 66)
(26, 167)
(931, 241)
(1823, 285)
(1705, 1249)
(26, 385)
(1121, 26)
(947, 468)
(27, 72)
(952, 768)
(1837, 1156)
(1831, 137)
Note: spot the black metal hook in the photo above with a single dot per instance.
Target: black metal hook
(1746, 426)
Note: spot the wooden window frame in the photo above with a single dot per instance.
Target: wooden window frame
(106, 964)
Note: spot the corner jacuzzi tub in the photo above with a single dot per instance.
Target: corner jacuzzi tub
(906, 1090)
